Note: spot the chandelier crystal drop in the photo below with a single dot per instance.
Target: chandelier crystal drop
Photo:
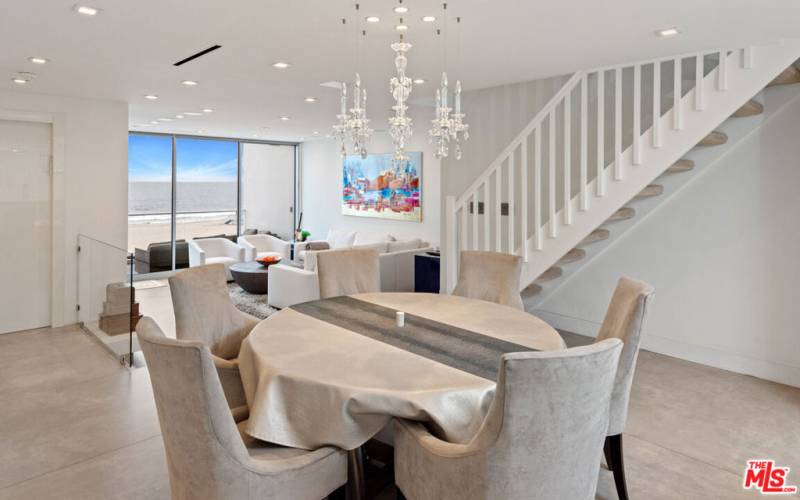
(400, 128)
(353, 127)
(448, 127)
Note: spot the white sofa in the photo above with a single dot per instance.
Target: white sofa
(215, 251)
(262, 245)
(336, 239)
(290, 285)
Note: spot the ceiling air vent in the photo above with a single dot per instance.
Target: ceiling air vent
(199, 54)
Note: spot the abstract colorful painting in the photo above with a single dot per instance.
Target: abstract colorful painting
(375, 187)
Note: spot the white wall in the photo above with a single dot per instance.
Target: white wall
(321, 188)
(268, 173)
(722, 255)
(90, 180)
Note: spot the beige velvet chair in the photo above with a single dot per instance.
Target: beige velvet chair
(207, 456)
(624, 320)
(542, 437)
(204, 312)
(490, 276)
(345, 272)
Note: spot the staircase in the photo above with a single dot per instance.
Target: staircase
(599, 146)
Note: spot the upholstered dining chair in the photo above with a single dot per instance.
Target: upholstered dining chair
(541, 439)
(490, 276)
(208, 457)
(624, 320)
(345, 272)
(204, 312)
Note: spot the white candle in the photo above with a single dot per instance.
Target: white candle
(400, 318)
(458, 97)
(364, 94)
(344, 98)
(438, 102)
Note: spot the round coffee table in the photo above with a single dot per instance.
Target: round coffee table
(251, 276)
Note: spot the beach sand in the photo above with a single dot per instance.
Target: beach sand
(140, 235)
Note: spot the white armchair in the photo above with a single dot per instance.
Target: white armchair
(262, 245)
(290, 285)
(215, 251)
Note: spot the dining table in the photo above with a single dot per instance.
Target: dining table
(334, 372)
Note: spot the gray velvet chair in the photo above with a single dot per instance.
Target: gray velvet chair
(624, 320)
(204, 312)
(345, 272)
(490, 276)
(207, 455)
(542, 437)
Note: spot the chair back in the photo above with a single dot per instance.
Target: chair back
(204, 311)
(490, 276)
(346, 272)
(624, 320)
(203, 446)
(545, 429)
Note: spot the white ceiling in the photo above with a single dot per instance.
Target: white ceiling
(127, 51)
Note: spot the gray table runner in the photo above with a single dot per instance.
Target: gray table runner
(465, 350)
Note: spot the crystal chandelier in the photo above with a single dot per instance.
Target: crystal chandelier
(448, 127)
(353, 127)
(401, 85)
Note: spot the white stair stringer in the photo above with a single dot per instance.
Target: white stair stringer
(739, 76)
(743, 84)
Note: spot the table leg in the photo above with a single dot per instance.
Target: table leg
(356, 487)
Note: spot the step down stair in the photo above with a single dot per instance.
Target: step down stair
(595, 236)
(788, 76)
(623, 213)
(549, 275)
(531, 290)
(750, 108)
(573, 255)
(683, 165)
(650, 191)
(715, 138)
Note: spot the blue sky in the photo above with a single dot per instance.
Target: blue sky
(199, 160)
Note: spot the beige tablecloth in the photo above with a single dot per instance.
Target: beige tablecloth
(310, 383)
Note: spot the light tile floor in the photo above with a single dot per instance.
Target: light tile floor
(76, 424)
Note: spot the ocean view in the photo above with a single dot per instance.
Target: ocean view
(156, 197)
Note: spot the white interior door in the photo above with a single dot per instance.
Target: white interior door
(25, 225)
(268, 188)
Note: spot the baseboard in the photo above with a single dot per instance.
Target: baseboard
(759, 368)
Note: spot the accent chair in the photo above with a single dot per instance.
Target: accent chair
(204, 251)
(490, 276)
(204, 313)
(208, 455)
(262, 245)
(542, 437)
(345, 272)
(624, 320)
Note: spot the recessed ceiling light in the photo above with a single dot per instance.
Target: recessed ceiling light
(201, 131)
(373, 19)
(151, 97)
(19, 81)
(179, 117)
(190, 83)
(86, 10)
(401, 9)
(208, 110)
(285, 118)
(281, 65)
(192, 113)
(419, 81)
(401, 27)
(310, 99)
(429, 19)
(316, 132)
(668, 32)
(165, 119)
(38, 60)
(154, 122)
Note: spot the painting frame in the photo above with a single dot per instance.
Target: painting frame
(377, 187)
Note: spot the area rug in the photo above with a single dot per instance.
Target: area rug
(251, 304)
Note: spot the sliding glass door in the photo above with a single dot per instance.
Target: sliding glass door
(182, 188)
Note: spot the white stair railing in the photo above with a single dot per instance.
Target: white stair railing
(605, 135)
